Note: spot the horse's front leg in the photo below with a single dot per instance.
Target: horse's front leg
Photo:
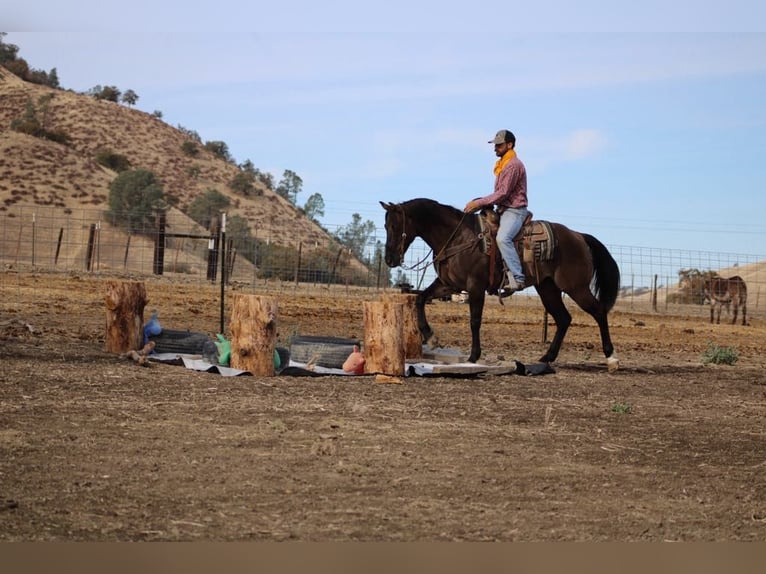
(435, 289)
(476, 306)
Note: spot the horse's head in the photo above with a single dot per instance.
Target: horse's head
(397, 238)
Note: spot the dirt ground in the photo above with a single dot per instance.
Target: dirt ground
(94, 448)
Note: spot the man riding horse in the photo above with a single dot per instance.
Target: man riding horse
(510, 197)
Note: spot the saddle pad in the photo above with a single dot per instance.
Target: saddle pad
(539, 241)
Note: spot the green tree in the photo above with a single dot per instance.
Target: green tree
(266, 178)
(134, 197)
(108, 93)
(356, 235)
(220, 149)
(691, 286)
(248, 167)
(205, 206)
(8, 52)
(238, 230)
(129, 97)
(314, 207)
(290, 186)
(53, 79)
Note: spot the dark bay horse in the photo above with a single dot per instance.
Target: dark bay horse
(580, 266)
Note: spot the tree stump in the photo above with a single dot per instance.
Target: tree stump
(125, 302)
(413, 344)
(383, 340)
(253, 333)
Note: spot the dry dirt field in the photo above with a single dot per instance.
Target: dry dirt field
(94, 448)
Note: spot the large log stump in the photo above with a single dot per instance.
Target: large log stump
(125, 302)
(383, 340)
(413, 345)
(253, 333)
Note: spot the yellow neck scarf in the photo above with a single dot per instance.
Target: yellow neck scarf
(503, 161)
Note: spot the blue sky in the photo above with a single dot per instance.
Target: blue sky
(642, 125)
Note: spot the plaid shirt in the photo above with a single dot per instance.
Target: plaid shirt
(510, 187)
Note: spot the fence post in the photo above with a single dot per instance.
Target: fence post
(212, 249)
(159, 244)
(222, 244)
(58, 246)
(127, 249)
(298, 262)
(89, 250)
(34, 227)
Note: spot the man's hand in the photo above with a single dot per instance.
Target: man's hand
(471, 206)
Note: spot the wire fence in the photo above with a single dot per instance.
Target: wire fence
(46, 239)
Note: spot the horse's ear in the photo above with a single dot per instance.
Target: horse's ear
(386, 206)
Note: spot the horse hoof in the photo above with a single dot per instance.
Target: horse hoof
(612, 364)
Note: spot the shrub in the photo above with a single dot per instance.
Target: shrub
(113, 161)
(719, 355)
(190, 148)
(31, 124)
(242, 183)
(622, 408)
(219, 149)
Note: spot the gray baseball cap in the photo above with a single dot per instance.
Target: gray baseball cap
(503, 136)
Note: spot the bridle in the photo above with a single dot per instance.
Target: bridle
(443, 253)
(420, 265)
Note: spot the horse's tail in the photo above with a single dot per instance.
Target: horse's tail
(606, 272)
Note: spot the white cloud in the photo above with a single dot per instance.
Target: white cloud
(583, 144)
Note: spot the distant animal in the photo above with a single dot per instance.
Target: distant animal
(721, 291)
(579, 265)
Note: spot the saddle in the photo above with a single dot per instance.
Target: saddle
(534, 242)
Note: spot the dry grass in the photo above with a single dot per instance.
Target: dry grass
(35, 171)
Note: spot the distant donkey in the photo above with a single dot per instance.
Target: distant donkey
(721, 291)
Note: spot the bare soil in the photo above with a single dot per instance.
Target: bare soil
(95, 448)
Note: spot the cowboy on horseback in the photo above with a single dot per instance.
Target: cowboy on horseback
(510, 197)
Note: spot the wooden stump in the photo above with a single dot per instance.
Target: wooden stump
(383, 340)
(125, 302)
(253, 333)
(413, 344)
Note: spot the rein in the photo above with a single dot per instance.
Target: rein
(446, 254)
(443, 253)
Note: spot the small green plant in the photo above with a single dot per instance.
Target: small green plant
(719, 355)
(622, 408)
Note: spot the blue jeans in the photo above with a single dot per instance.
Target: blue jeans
(510, 224)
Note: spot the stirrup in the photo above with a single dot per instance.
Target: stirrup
(507, 291)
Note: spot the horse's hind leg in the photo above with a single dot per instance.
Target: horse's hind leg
(588, 303)
(550, 295)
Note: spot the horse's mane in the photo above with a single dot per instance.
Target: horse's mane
(424, 208)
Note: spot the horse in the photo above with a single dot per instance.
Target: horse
(721, 291)
(579, 265)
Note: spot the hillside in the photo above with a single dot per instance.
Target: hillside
(35, 171)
